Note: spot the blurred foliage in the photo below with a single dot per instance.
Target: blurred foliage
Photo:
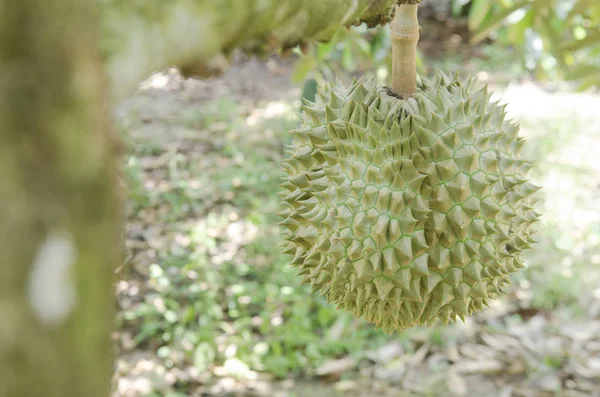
(351, 52)
(565, 262)
(556, 38)
(356, 51)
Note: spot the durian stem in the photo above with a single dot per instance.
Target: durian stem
(405, 36)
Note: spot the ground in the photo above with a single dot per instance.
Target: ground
(208, 306)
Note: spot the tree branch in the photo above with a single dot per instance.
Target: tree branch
(142, 37)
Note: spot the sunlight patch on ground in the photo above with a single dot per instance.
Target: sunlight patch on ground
(272, 110)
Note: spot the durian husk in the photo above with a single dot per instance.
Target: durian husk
(407, 211)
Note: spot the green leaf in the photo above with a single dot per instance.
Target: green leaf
(516, 32)
(303, 67)
(457, 7)
(324, 50)
(478, 13)
(363, 46)
(552, 39)
(583, 71)
(309, 91)
(495, 20)
(348, 60)
(592, 39)
(380, 46)
(585, 84)
(579, 8)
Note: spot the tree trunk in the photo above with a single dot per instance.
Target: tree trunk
(59, 211)
(140, 37)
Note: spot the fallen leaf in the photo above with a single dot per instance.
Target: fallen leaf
(456, 384)
(346, 385)
(335, 367)
(386, 352)
(478, 367)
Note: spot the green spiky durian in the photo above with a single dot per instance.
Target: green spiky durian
(406, 211)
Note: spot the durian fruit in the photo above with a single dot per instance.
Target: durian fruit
(405, 211)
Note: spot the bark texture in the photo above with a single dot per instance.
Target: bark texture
(140, 37)
(59, 211)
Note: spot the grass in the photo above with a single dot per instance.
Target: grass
(227, 291)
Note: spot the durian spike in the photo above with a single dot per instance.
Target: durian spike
(405, 33)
